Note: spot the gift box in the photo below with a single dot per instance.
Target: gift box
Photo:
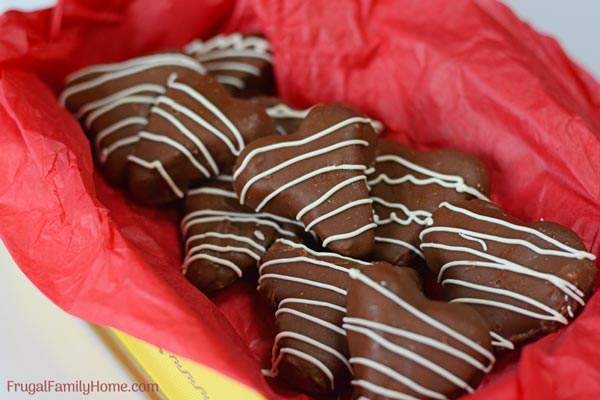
(462, 74)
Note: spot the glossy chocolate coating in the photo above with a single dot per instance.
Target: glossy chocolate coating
(401, 346)
(242, 63)
(217, 233)
(503, 267)
(112, 101)
(317, 172)
(308, 289)
(195, 132)
(413, 194)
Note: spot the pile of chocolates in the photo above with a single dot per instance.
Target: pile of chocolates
(389, 270)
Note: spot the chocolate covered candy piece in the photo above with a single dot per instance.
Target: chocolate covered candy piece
(223, 240)
(405, 346)
(308, 289)
(408, 185)
(316, 176)
(523, 279)
(112, 102)
(287, 118)
(195, 131)
(243, 63)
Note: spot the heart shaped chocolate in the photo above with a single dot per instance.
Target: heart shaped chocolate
(316, 176)
(308, 289)
(408, 185)
(523, 279)
(112, 102)
(195, 131)
(405, 346)
(223, 240)
(243, 63)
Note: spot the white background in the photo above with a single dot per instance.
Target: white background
(38, 340)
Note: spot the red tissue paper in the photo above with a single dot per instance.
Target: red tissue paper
(463, 74)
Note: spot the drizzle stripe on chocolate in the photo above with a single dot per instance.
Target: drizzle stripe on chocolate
(130, 91)
(300, 142)
(157, 165)
(219, 235)
(368, 328)
(320, 253)
(117, 71)
(295, 160)
(197, 96)
(155, 137)
(303, 178)
(328, 194)
(98, 112)
(455, 182)
(221, 47)
(495, 262)
(401, 243)
(285, 305)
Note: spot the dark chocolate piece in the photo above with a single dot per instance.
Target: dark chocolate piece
(243, 63)
(405, 346)
(112, 102)
(316, 176)
(223, 240)
(523, 279)
(308, 289)
(408, 185)
(195, 131)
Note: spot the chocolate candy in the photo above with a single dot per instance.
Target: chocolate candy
(287, 119)
(523, 279)
(194, 132)
(308, 289)
(408, 185)
(223, 240)
(316, 176)
(112, 102)
(405, 346)
(243, 63)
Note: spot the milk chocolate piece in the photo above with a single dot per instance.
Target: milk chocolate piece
(243, 63)
(194, 132)
(408, 185)
(316, 176)
(523, 279)
(308, 289)
(403, 345)
(223, 240)
(112, 102)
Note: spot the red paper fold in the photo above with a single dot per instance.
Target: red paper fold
(464, 74)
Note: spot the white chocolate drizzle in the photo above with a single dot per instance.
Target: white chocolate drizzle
(283, 111)
(455, 182)
(370, 330)
(420, 217)
(111, 72)
(234, 243)
(303, 178)
(187, 132)
(284, 306)
(141, 94)
(216, 52)
(488, 260)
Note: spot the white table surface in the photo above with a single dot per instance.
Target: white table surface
(39, 341)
